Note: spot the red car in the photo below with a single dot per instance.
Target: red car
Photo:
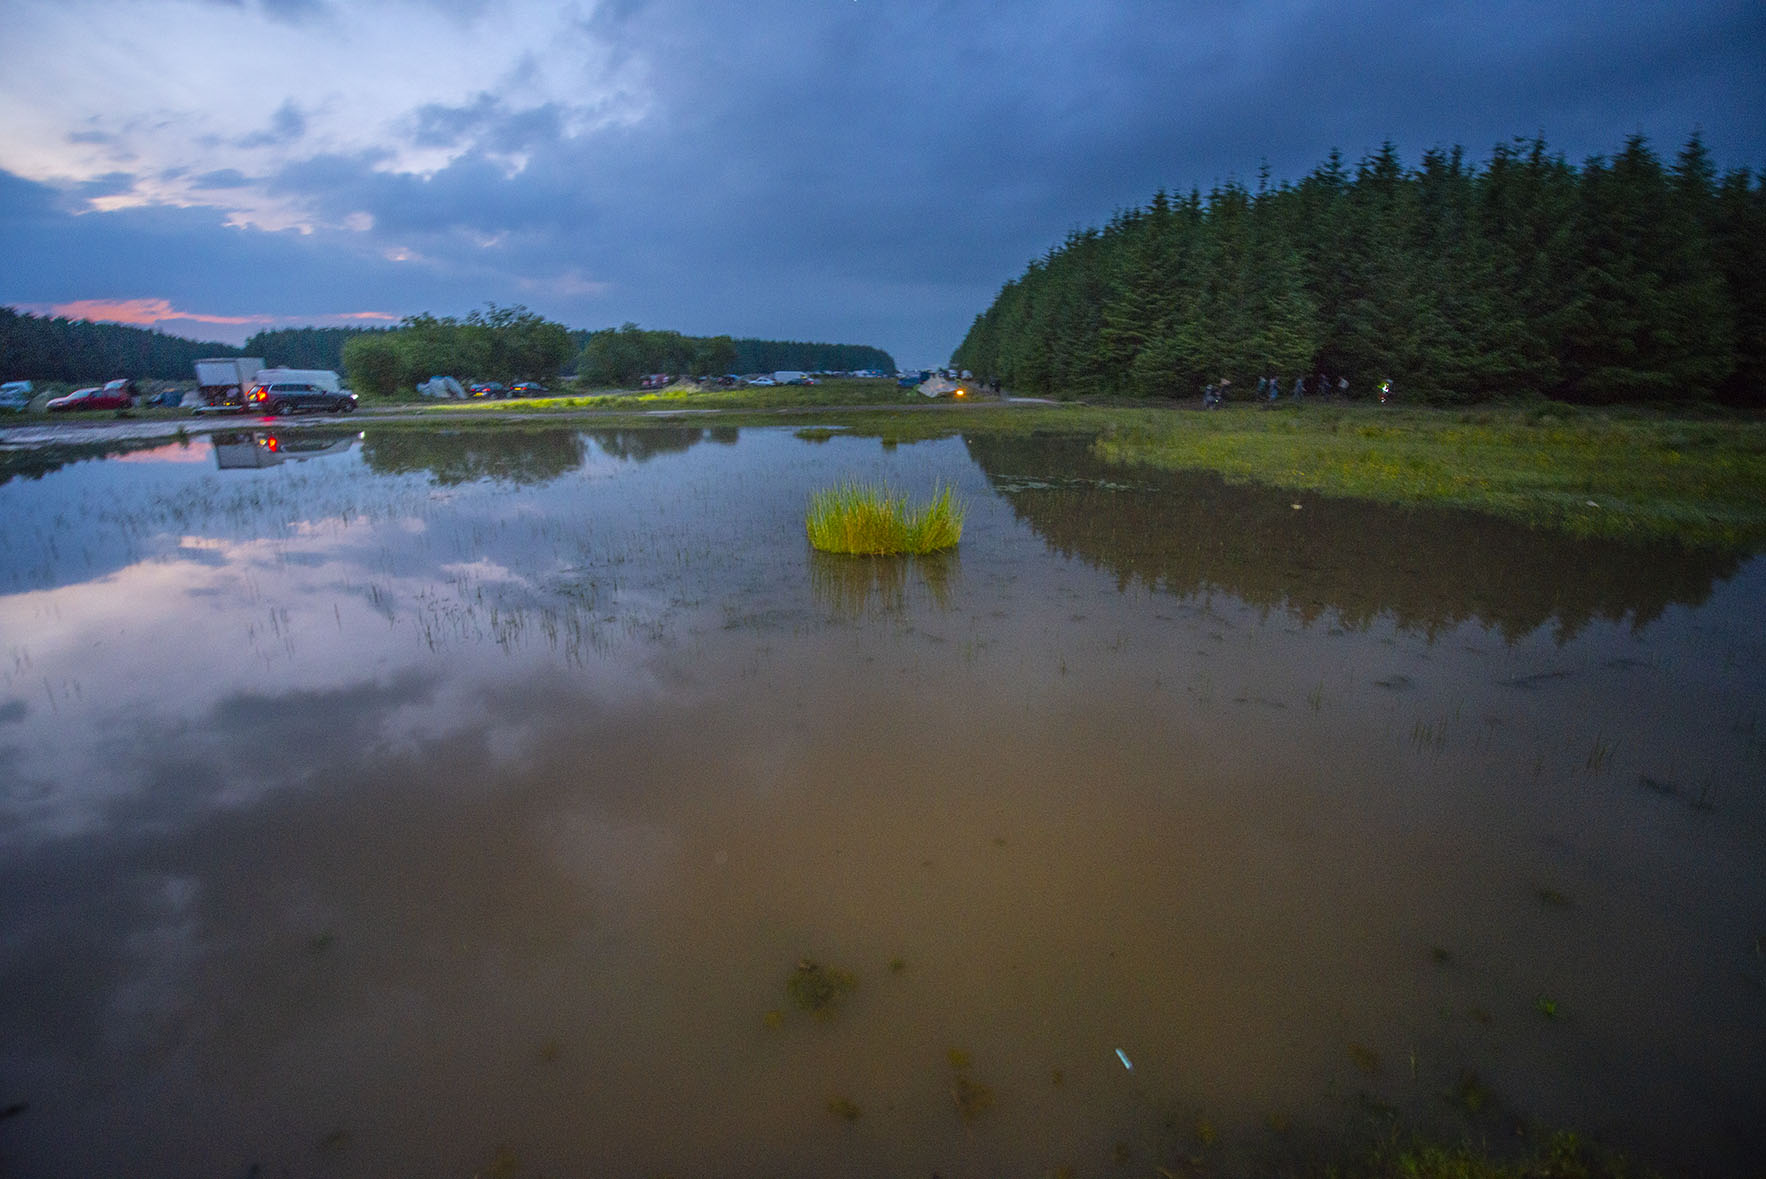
(117, 394)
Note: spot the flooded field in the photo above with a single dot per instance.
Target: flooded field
(535, 802)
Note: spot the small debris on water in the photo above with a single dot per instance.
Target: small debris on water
(1123, 1057)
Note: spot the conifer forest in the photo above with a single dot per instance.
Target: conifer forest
(1624, 279)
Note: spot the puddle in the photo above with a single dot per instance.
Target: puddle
(468, 802)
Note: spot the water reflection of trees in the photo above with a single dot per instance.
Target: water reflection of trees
(1429, 568)
(847, 585)
(641, 445)
(34, 462)
(522, 457)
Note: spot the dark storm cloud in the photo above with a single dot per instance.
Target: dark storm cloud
(110, 184)
(444, 126)
(489, 124)
(284, 11)
(286, 125)
(473, 195)
(223, 178)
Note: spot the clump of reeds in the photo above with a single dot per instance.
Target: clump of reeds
(871, 520)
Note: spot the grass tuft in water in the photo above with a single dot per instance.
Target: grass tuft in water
(1470, 1094)
(971, 1096)
(1564, 1155)
(872, 520)
(816, 988)
(1551, 898)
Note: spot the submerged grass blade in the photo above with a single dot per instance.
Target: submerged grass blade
(872, 520)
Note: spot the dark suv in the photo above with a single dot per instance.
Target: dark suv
(292, 397)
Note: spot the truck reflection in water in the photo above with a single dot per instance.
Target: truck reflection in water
(265, 448)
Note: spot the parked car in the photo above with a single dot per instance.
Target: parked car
(761, 381)
(284, 397)
(488, 389)
(112, 395)
(528, 389)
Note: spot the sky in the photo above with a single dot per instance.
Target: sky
(846, 171)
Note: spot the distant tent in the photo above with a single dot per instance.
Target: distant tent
(441, 387)
(938, 387)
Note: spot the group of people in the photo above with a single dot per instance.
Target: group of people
(1270, 389)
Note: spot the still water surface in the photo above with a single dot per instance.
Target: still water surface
(417, 804)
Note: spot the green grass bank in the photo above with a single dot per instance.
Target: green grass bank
(1613, 474)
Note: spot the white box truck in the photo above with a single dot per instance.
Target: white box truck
(222, 382)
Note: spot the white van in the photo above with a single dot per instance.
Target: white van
(319, 378)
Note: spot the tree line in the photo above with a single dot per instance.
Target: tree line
(498, 343)
(505, 344)
(303, 347)
(617, 357)
(1624, 279)
(79, 352)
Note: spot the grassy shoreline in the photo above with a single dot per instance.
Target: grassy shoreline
(1610, 475)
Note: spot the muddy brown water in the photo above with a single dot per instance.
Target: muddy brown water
(421, 804)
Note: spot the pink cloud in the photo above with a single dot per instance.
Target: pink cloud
(143, 312)
(160, 313)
